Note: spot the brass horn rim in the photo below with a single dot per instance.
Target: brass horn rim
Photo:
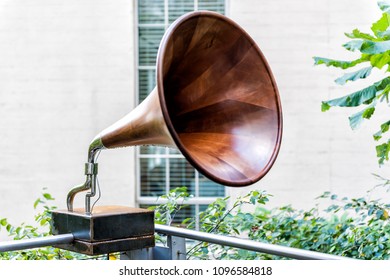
(160, 85)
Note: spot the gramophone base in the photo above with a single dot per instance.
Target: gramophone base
(109, 246)
(108, 229)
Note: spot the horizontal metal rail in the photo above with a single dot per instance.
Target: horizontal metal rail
(16, 245)
(277, 250)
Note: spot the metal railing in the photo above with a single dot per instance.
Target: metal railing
(176, 245)
(17, 245)
(250, 245)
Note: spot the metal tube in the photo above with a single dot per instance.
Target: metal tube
(16, 245)
(75, 190)
(250, 245)
(91, 171)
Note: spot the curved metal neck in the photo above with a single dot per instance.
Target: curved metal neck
(94, 148)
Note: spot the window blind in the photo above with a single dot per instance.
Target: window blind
(161, 169)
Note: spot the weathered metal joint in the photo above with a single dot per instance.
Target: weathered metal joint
(91, 168)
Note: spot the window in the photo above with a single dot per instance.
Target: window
(161, 169)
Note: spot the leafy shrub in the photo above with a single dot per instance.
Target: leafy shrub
(41, 229)
(356, 228)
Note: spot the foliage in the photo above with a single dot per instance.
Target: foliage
(356, 228)
(374, 51)
(41, 229)
(170, 205)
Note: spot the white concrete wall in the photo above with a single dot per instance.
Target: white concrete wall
(319, 150)
(67, 72)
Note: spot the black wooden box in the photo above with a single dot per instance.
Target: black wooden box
(108, 229)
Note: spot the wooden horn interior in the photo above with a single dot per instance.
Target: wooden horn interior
(219, 99)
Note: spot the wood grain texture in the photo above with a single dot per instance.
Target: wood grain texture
(219, 98)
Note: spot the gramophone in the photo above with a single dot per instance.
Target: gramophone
(216, 101)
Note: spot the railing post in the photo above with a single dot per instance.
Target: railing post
(140, 254)
(177, 247)
(175, 250)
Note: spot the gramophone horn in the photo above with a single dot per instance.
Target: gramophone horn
(219, 98)
(216, 101)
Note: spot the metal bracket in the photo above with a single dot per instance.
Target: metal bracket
(175, 250)
(177, 246)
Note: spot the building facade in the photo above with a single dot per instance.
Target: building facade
(68, 69)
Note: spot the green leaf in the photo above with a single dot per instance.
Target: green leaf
(48, 196)
(253, 199)
(325, 106)
(382, 152)
(356, 119)
(384, 128)
(384, 94)
(37, 202)
(324, 195)
(340, 63)
(380, 60)
(43, 222)
(370, 47)
(353, 76)
(383, 23)
(354, 99)
(357, 34)
(354, 45)
(367, 113)
(18, 229)
(384, 35)
(379, 214)
(357, 98)
(3, 222)
(384, 6)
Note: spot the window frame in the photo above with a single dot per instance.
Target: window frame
(196, 201)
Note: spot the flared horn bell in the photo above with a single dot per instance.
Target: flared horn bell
(216, 101)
